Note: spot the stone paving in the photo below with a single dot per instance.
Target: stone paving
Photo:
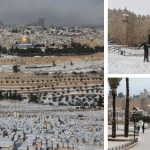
(143, 142)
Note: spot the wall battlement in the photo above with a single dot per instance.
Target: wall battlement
(127, 28)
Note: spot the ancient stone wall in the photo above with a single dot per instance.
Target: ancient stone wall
(116, 27)
(142, 29)
(126, 28)
(138, 103)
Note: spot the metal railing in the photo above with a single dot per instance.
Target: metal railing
(113, 49)
(123, 146)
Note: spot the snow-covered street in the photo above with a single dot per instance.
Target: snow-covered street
(143, 141)
(120, 64)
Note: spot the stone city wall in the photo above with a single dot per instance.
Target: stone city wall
(126, 28)
(138, 103)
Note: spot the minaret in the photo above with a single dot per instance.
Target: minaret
(125, 23)
(144, 98)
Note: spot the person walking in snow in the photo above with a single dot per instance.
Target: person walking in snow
(146, 55)
(138, 129)
(143, 127)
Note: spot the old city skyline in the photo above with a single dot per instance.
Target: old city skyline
(135, 89)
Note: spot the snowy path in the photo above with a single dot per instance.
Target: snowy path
(118, 64)
(144, 141)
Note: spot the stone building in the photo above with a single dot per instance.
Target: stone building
(138, 103)
(24, 43)
(143, 102)
(127, 28)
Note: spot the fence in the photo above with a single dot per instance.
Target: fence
(113, 49)
(123, 146)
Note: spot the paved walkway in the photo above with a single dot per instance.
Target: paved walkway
(144, 141)
(119, 131)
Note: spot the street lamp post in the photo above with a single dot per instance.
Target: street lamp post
(117, 116)
(134, 126)
(134, 111)
(149, 109)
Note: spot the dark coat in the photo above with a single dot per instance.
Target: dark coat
(145, 47)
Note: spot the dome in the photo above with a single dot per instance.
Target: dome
(25, 40)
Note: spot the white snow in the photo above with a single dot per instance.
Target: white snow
(119, 64)
(58, 127)
(81, 66)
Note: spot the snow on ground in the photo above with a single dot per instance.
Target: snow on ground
(133, 50)
(143, 141)
(120, 140)
(119, 64)
(82, 66)
(63, 129)
(8, 56)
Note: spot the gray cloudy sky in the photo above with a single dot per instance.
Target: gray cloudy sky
(136, 85)
(137, 6)
(83, 12)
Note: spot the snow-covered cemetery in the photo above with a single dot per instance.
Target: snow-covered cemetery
(51, 77)
(44, 128)
(52, 102)
(51, 88)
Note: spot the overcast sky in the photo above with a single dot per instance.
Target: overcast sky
(137, 6)
(71, 12)
(136, 85)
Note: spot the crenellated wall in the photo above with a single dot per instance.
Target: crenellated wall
(126, 28)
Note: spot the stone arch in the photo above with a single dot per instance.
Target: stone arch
(148, 36)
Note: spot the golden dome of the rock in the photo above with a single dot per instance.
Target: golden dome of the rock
(25, 40)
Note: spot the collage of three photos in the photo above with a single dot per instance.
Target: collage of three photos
(56, 92)
(51, 74)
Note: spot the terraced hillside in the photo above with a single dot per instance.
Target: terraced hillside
(76, 89)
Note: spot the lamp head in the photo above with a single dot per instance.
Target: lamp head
(134, 109)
